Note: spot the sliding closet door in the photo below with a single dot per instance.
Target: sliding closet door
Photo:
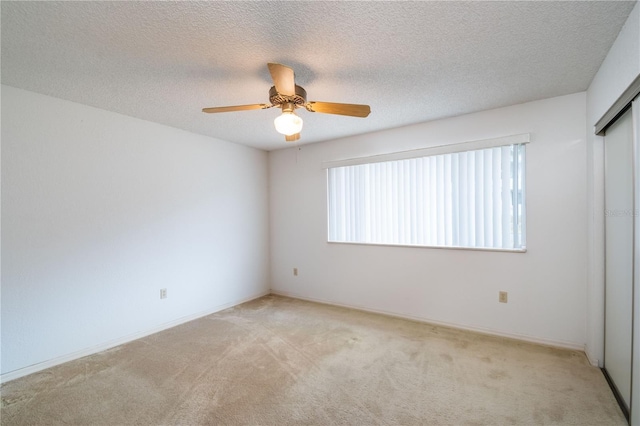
(635, 367)
(619, 254)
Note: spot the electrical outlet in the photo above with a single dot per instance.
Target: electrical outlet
(295, 272)
(502, 297)
(163, 293)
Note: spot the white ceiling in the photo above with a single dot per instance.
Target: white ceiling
(411, 61)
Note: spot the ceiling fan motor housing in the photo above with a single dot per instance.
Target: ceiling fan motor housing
(299, 99)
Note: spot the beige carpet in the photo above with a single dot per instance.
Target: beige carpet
(279, 361)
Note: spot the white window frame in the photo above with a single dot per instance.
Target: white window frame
(520, 139)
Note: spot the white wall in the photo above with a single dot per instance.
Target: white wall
(546, 285)
(100, 211)
(618, 70)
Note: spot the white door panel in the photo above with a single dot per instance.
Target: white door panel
(619, 253)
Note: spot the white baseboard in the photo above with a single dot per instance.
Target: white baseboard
(515, 336)
(592, 361)
(15, 374)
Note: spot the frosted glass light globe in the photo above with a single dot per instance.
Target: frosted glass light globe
(288, 123)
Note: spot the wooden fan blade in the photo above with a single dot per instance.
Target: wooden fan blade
(283, 79)
(352, 110)
(236, 108)
(292, 138)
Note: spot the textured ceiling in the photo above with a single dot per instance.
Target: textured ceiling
(411, 61)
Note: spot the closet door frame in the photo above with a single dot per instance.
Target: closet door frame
(617, 109)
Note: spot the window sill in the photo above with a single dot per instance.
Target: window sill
(522, 250)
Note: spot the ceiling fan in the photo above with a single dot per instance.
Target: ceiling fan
(288, 96)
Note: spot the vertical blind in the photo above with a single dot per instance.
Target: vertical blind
(462, 199)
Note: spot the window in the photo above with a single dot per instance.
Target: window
(465, 197)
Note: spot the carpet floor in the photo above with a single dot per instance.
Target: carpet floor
(280, 361)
